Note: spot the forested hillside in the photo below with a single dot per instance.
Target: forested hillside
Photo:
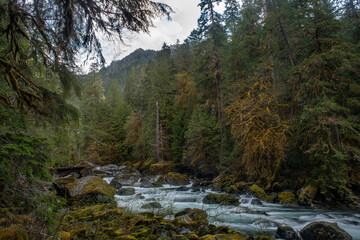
(265, 93)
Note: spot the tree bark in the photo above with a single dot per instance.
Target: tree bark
(157, 132)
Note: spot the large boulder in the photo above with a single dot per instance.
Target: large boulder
(223, 199)
(90, 189)
(127, 179)
(126, 191)
(109, 170)
(286, 233)
(307, 194)
(324, 231)
(222, 182)
(177, 179)
(192, 219)
(60, 183)
(259, 193)
(287, 198)
(160, 168)
(151, 205)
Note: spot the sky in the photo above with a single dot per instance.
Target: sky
(184, 20)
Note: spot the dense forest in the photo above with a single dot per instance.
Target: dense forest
(267, 92)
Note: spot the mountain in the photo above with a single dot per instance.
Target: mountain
(118, 70)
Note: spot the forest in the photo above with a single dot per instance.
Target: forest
(267, 93)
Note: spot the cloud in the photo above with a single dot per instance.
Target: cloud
(184, 20)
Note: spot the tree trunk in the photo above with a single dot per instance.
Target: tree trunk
(157, 132)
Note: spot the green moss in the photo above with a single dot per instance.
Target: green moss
(287, 197)
(174, 178)
(259, 193)
(324, 231)
(161, 168)
(223, 199)
(151, 205)
(264, 238)
(308, 194)
(90, 189)
(11, 234)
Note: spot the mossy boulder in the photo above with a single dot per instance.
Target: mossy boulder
(286, 233)
(236, 188)
(126, 191)
(160, 168)
(125, 179)
(287, 198)
(192, 219)
(307, 194)
(223, 199)
(12, 234)
(222, 182)
(151, 205)
(259, 193)
(324, 231)
(60, 183)
(90, 189)
(177, 179)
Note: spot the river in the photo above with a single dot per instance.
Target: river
(246, 218)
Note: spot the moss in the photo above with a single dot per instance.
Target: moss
(263, 237)
(12, 234)
(191, 236)
(208, 237)
(174, 178)
(64, 235)
(125, 237)
(308, 194)
(90, 189)
(160, 168)
(324, 231)
(259, 193)
(151, 205)
(223, 199)
(287, 197)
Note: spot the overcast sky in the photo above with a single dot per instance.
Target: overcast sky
(184, 20)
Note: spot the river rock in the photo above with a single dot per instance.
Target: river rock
(307, 194)
(160, 168)
(185, 200)
(126, 191)
(223, 199)
(256, 202)
(259, 193)
(192, 219)
(60, 183)
(324, 231)
(286, 233)
(177, 179)
(287, 198)
(110, 170)
(91, 189)
(182, 189)
(128, 179)
(151, 205)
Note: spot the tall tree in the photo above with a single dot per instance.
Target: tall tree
(52, 33)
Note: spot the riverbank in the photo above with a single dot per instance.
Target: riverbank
(119, 202)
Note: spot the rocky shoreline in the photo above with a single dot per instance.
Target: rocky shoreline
(88, 209)
(88, 194)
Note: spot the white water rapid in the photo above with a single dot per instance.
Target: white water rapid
(248, 217)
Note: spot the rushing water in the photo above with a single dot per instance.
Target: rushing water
(245, 218)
